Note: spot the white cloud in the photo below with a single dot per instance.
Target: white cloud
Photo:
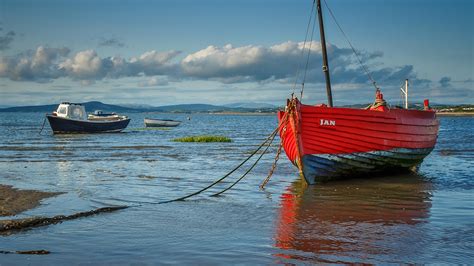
(263, 66)
(154, 81)
(279, 62)
(46, 64)
(84, 65)
(226, 64)
(33, 65)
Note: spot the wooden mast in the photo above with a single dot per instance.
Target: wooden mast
(325, 56)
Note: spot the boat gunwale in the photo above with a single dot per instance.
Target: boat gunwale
(122, 118)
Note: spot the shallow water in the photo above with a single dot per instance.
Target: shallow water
(423, 218)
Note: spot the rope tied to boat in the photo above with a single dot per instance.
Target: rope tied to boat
(42, 127)
(267, 142)
(270, 173)
(379, 100)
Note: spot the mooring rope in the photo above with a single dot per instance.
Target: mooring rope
(283, 120)
(250, 169)
(220, 179)
(42, 127)
(270, 173)
(269, 139)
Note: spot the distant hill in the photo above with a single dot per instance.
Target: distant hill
(36, 108)
(198, 108)
(180, 108)
(90, 107)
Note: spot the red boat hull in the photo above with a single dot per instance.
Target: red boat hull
(328, 142)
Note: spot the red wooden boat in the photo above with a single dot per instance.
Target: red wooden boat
(327, 142)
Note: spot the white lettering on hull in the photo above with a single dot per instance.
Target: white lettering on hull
(324, 122)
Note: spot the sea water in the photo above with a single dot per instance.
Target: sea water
(413, 218)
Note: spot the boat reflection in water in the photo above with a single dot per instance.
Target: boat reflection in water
(371, 220)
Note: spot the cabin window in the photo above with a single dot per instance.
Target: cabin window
(77, 113)
(62, 110)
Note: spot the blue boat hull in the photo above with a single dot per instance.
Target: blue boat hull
(324, 167)
(61, 125)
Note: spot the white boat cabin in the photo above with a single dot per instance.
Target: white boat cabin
(72, 111)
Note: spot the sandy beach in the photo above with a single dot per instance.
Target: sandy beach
(14, 201)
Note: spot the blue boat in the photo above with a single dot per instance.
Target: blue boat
(72, 118)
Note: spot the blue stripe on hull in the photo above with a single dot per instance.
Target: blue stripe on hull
(323, 167)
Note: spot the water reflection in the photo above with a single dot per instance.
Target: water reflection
(353, 220)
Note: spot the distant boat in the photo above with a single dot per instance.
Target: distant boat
(151, 122)
(327, 142)
(101, 115)
(72, 118)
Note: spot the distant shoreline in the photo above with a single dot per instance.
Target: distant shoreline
(243, 113)
(456, 114)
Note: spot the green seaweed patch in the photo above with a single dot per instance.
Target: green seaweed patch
(203, 138)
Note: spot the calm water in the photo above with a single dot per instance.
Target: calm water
(407, 218)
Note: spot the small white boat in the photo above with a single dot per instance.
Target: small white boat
(151, 122)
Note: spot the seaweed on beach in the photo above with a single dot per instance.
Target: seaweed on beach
(10, 226)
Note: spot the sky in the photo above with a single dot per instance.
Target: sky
(219, 52)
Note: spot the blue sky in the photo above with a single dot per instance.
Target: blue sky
(218, 52)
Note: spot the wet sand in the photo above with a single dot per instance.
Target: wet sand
(14, 201)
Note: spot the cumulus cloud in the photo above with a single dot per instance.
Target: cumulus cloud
(33, 65)
(155, 63)
(84, 65)
(46, 64)
(6, 39)
(279, 62)
(226, 64)
(245, 63)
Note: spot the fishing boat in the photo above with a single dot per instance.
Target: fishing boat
(151, 122)
(326, 142)
(72, 118)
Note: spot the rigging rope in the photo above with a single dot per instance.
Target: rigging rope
(307, 58)
(352, 47)
(304, 46)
